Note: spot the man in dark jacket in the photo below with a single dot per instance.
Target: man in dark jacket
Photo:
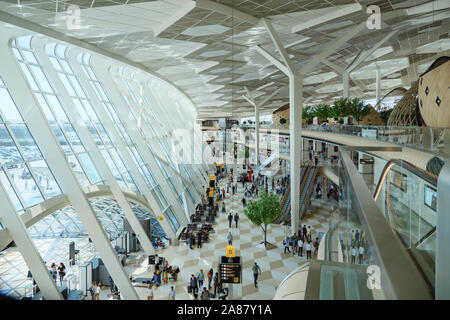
(230, 219)
(236, 219)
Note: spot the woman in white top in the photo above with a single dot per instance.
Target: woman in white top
(149, 292)
(300, 247)
(308, 251)
(172, 293)
(97, 289)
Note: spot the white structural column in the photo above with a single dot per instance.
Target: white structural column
(252, 101)
(18, 231)
(52, 152)
(94, 151)
(296, 103)
(346, 83)
(117, 141)
(378, 86)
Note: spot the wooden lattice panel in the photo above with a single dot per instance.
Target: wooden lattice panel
(404, 113)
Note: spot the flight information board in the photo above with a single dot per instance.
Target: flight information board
(230, 272)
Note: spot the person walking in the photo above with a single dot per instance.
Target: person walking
(150, 292)
(53, 271)
(61, 272)
(308, 250)
(256, 271)
(216, 283)
(308, 233)
(172, 293)
(304, 230)
(292, 243)
(191, 240)
(111, 284)
(286, 245)
(199, 239)
(209, 276)
(300, 247)
(194, 285)
(236, 219)
(200, 277)
(230, 219)
(316, 246)
(230, 239)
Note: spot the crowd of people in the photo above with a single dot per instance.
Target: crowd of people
(196, 284)
(301, 241)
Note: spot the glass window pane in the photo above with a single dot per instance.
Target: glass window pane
(29, 56)
(110, 163)
(11, 193)
(45, 178)
(81, 110)
(67, 84)
(77, 86)
(61, 138)
(27, 188)
(8, 108)
(17, 54)
(65, 66)
(55, 64)
(73, 138)
(56, 107)
(41, 79)
(29, 77)
(76, 168)
(44, 107)
(24, 42)
(88, 165)
(9, 153)
(26, 141)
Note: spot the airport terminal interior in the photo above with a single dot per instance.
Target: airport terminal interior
(224, 149)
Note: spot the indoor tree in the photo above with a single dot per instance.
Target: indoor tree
(359, 109)
(322, 111)
(341, 108)
(264, 211)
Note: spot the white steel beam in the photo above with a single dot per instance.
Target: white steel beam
(16, 228)
(336, 44)
(228, 11)
(93, 150)
(273, 60)
(342, 11)
(334, 66)
(55, 157)
(180, 13)
(279, 45)
(378, 86)
(116, 140)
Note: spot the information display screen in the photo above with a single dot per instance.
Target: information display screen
(230, 272)
(430, 197)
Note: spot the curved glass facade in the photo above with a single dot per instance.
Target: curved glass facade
(132, 131)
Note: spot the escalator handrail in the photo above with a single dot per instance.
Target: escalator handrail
(424, 175)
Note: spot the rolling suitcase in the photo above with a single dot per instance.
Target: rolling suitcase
(189, 289)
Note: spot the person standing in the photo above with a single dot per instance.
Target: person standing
(53, 271)
(300, 247)
(353, 255)
(172, 293)
(111, 283)
(286, 245)
(200, 277)
(361, 254)
(308, 250)
(304, 230)
(210, 275)
(244, 202)
(230, 219)
(205, 294)
(256, 271)
(230, 239)
(97, 291)
(308, 233)
(150, 292)
(236, 219)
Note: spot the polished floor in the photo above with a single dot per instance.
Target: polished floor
(274, 263)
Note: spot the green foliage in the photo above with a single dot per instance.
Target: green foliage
(245, 122)
(341, 108)
(385, 116)
(263, 211)
(359, 110)
(322, 111)
(283, 121)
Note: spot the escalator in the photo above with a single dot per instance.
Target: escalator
(408, 198)
(307, 177)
